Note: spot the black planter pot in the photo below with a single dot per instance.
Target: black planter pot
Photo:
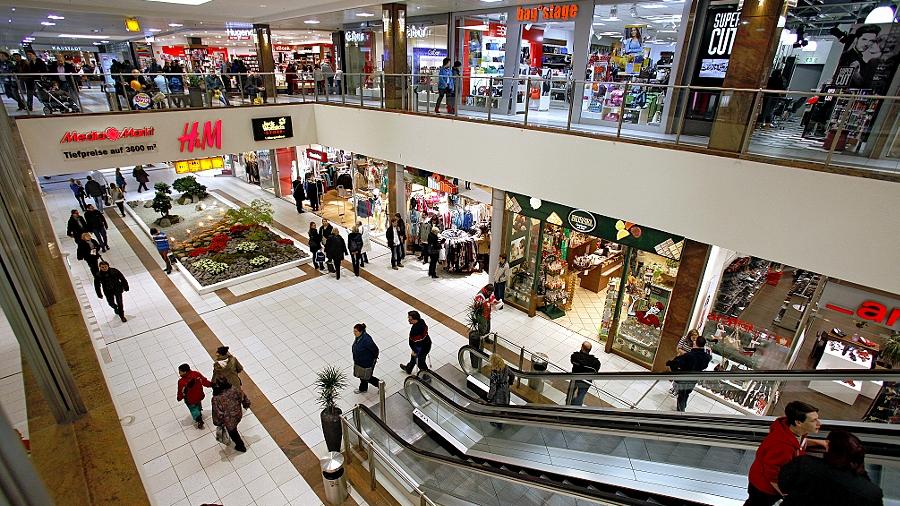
(331, 428)
(475, 342)
(195, 96)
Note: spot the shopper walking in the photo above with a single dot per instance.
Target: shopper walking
(419, 343)
(335, 249)
(366, 242)
(299, 195)
(786, 441)
(96, 223)
(190, 390)
(161, 241)
(365, 355)
(89, 250)
(838, 479)
(694, 361)
(315, 247)
(445, 85)
(354, 245)
(395, 236)
(95, 191)
(78, 191)
(117, 196)
(326, 230)
(501, 276)
(585, 363)
(111, 283)
(500, 381)
(120, 179)
(684, 346)
(227, 411)
(141, 176)
(226, 367)
(76, 226)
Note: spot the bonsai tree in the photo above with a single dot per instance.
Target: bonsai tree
(162, 202)
(162, 188)
(189, 188)
(329, 383)
(257, 213)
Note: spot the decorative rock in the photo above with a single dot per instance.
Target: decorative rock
(195, 198)
(165, 222)
(200, 207)
(148, 204)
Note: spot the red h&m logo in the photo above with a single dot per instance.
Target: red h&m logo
(191, 138)
(872, 311)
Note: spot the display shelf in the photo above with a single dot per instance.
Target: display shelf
(840, 390)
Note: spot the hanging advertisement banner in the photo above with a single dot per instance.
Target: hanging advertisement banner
(722, 22)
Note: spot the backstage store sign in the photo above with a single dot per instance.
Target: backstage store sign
(270, 129)
(107, 142)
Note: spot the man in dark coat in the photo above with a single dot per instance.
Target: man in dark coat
(312, 194)
(693, 361)
(299, 195)
(97, 225)
(583, 362)
(419, 343)
(95, 191)
(335, 249)
(76, 225)
(111, 283)
(396, 235)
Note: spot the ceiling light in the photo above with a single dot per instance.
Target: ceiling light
(154, 30)
(491, 1)
(668, 31)
(810, 46)
(312, 21)
(48, 23)
(781, 21)
(653, 6)
(182, 2)
(95, 30)
(477, 28)
(880, 15)
(175, 25)
(76, 36)
(54, 16)
(104, 42)
(599, 24)
(9, 20)
(14, 9)
(364, 14)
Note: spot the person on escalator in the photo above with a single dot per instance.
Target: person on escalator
(695, 360)
(583, 362)
(501, 379)
(786, 441)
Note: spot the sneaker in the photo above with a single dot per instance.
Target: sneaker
(358, 391)
(122, 316)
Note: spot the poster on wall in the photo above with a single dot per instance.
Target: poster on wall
(869, 58)
(722, 22)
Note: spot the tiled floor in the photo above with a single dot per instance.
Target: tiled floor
(282, 338)
(586, 313)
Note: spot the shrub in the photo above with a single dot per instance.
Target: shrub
(246, 247)
(189, 186)
(219, 242)
(258, 212)
(258, 260)
(162, 188)
(162, 203)
(210, 266)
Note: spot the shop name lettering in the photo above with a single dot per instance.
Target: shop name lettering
(191, 138)
(97, 153)
(109, 134)
(730, 321)
(721, 39)
(417, 32)
(356, 37)
(872, 311)
(548, 12)
(273, 127)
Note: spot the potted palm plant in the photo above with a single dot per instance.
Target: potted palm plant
(890, 351)
(476, 323)
(329, 383)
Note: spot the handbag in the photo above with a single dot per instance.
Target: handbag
(320, 256)
(363, 373)
(222, 436)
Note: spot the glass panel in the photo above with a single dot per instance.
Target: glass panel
(522, 250)
(482, 45)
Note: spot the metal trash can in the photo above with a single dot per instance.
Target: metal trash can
(334, 479)
(538, 364)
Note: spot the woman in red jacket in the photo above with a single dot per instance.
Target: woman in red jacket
(190, 390)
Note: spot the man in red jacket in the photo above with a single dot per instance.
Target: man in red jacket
(786, 441)
(190, 390)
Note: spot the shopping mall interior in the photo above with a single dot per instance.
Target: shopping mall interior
(469, 252)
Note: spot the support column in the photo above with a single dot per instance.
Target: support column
(397, 189)
(749, 66)
(681, 305)
(498, 204)
(393, 16)
(266, 59)
(582, 43)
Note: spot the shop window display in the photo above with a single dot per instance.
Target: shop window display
(546, 57)
(524, 234)
(482, 43)
(328, 171)
(371, 195)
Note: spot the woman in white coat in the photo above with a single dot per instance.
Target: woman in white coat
(367, 242)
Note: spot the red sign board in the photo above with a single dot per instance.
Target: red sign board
(730, 321)
(872, 311)
(547, 12)
(193, 137)
(107, 134)
(315, 154)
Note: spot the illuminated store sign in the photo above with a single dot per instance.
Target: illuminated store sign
(548, 12)
(199, 164)
(270, 129)
(191, 137)
(108, 134)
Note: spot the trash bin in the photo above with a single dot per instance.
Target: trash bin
(538, 364)
(334, 479)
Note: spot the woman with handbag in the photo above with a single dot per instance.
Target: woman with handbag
(365, 355)
(315, 247)
(501, 379)
(227, 411)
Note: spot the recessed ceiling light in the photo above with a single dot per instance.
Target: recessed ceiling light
(77, 36)
(54, 16)
(491, 1)
(48, 23)
(175, 25)
(14, 9)
(95, 30)
(365, 14)
(9, 20)
(312, 21)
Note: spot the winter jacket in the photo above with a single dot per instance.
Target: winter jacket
(112, 282)
(116, 195)
(434, 244)
(395, 241)
(227, 409)
(140, 175)
(365, 351)
(190, 387)
(76, 227)
(419, 340)
(95, 219)
(120, 179)
(354, 242)
(777, 449)
(228, 370)
(326, 232)
(86, 249)
(93, 188)
(335, 247)
(77, 189)
(501, 275)
(445, 79)
(299, 193)
(810, 480)
(498, 393)
(585, 363)
(695, 360)
(315, 240)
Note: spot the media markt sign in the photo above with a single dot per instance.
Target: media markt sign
(582, 221)
(106, 142)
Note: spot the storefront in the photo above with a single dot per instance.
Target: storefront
(607, 279)
(328, 181)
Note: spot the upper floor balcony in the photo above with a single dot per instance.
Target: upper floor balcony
(852, 134)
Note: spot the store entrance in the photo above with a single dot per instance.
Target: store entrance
(482, 51)
(546, 57)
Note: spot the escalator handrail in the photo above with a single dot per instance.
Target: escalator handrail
(502, 474)
(882, 440)
(766, 375)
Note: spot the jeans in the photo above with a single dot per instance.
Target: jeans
(115, 302)
(299, 205)
(355, 258)
(684, 390)
(196, 411)
(100, 234)
(499, 289)
(81, 202)
(759, 498)
(420, 359)
(444, 92)
(396, 255)
(581, 390)
(142, 186)
(336, 264)
(98, 202)
(364, 384)
(121, 206)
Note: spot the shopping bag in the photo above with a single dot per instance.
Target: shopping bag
(222, 436)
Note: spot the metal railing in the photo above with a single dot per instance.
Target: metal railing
(848, 130)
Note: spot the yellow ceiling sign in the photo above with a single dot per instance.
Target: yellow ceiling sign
(132, 25)
(199, 165)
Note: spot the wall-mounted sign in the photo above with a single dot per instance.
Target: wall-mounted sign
(270, 129)
(282, 48)
(315, 154)
(141, 101)
(582, 221)
(192, 137)
(239, 31)
(356, 37)
(864, 305)
(722, 22)
(199, 164)
(417, 32)
(547, 12)
(108, 134)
